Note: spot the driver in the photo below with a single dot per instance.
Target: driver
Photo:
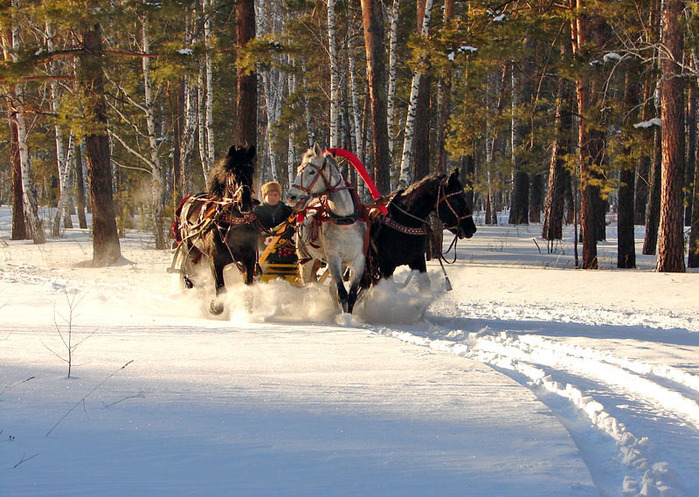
(272, 211)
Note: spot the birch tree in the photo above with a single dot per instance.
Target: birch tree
(187, 113)
(12, 46)
(269, 21)
(157, 181)
(205, 95)
(444, 98)
(392, 76)
(334, 78)
(406, 161)
(63, 153)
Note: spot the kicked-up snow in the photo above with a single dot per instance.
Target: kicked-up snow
(529, 378)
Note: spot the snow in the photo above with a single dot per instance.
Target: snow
(647, 124)
(612, 57)
(529, 378)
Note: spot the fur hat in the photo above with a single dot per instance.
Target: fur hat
(272, 186)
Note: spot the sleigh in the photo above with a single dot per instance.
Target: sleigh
(278, 253)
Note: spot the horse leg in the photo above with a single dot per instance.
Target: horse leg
(249, 273)
(190, 266)
(335, 268)
(423, 280)
(216, 306)
(357, 272)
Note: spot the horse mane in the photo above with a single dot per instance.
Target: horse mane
(412, 198)
(237, 160)
(312, 153)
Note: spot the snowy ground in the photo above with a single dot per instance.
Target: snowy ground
(530, 378)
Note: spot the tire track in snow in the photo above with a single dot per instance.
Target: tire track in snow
(619, 373)
(540, 361)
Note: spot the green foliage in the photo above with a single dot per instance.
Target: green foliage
(480, 49)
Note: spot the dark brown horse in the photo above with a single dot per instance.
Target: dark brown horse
(218, 226)
(403, 235)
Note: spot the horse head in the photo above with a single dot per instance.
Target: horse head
(317, 174)
(232, 177)
(453, 208)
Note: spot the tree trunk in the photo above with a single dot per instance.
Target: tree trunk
(205, 97)
(63, 153)
(444, 100)
(291, 140)
(31, 206)
(644, 162)
(491, 213)
(246, 105)
(32, 225)
(554, 204)
(406, 173)
(587, 221)
(157, 174)
(372, 16)
(519, 200)
(176, 112)
(392, 71)
(468, 172)
(79, 162)
(693, 257)
(650, 241)
(189, 132)
(105, 239)
(691, 150)
(19, 226)
(626, 242)
(334, 78)
(209, 78)
(422, 126)
(671, 239)
(356, 110)
(536, 198)
(422, 129)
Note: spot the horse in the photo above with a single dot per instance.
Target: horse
(335, 229)
(219, 226)
(401, 237)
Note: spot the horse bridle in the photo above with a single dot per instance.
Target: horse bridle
(340, 185)
(443, 196)
(237, 189)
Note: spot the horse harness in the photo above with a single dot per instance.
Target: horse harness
(426, 230)
(219, 215)
(323, 213)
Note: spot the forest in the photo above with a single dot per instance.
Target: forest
(580, 112)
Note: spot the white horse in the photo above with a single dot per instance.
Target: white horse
(335, 229)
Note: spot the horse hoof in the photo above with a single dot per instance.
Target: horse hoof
(215, 308)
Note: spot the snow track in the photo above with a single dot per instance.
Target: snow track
(597, 395)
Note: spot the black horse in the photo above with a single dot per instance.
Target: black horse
(218, 226)
(402, 236)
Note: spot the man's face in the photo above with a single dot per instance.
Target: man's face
(273, 198)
